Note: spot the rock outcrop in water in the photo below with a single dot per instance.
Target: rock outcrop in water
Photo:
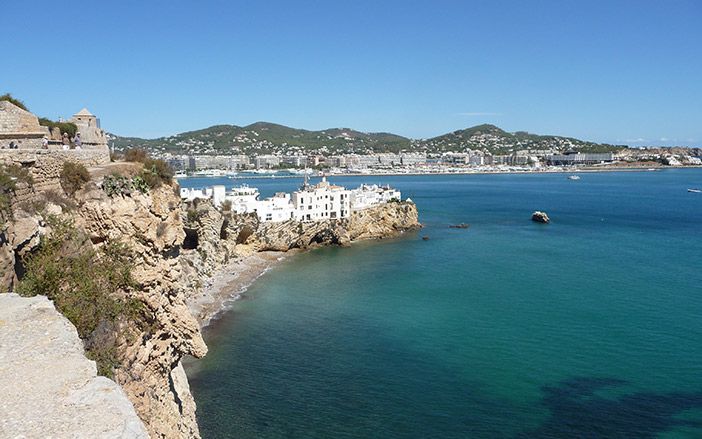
(48, 386)
(540, 217)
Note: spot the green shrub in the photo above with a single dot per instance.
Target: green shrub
(117, 184)
(192, 215)
(20, 174)
(73, 177)
(226, 206)
(87, 286)
(8, 97)
(135, 155)
(156, 172)
(7, 190)
(65, 127)
(139, 184)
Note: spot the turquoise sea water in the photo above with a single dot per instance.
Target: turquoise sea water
(588, 327)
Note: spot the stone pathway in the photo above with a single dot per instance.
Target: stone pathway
(48, 389)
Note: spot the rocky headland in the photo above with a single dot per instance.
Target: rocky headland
(183, 262)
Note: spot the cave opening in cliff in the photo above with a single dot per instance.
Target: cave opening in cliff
(223, 231)
(191, 239)
(20, 269)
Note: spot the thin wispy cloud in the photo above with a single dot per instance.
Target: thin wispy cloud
(637, 140)
(478, 113)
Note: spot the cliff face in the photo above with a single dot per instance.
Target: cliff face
(174, 254)
(377, 222)
(48, 386)
(150, 225)
(150, 372)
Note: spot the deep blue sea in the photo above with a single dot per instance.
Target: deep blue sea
(588, 327)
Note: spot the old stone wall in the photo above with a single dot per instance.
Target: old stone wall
(45, 165)
(19, 128)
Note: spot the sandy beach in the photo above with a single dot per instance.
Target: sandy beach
(230, 282)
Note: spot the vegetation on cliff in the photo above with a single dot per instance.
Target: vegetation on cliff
(73, 177)
(155, 173)
(87, 286)
(65, 127)
(10, 176)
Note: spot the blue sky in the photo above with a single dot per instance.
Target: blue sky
(610, 71)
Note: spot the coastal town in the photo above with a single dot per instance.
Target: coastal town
(267, 148)
(446, 163)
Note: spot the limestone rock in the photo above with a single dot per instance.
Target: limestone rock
(540, 217)
(48, 386)
(150, 224)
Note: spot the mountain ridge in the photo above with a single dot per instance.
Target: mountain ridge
(270, 138)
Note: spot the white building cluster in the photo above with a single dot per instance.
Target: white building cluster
(318, 202)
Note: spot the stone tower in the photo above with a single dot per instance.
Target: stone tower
(89, 128)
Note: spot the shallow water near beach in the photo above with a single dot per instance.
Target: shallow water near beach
(587, 327)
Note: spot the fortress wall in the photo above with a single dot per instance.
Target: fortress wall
(46, 165)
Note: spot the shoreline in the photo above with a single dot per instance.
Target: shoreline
(467, 172)
(230, 282)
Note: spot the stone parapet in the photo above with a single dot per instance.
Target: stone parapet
(45, 165)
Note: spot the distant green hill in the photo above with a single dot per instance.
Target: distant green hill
(269, 138)
(495, 140)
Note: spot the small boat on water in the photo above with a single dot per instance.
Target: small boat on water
(697, 191)
(573, 177)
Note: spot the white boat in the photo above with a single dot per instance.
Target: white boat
(573, 177)
(180, 174)
(697, 191)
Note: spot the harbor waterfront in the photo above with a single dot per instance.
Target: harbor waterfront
(586, 327)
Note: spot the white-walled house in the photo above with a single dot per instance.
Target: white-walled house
(276, 208)
(368, 195)
(242, 198)
(319, 202)
(216, 193)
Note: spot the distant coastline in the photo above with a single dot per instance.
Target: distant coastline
(467, 172)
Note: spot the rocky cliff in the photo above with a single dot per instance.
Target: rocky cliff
(174, 250)
(149, 225)
(151, 372)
